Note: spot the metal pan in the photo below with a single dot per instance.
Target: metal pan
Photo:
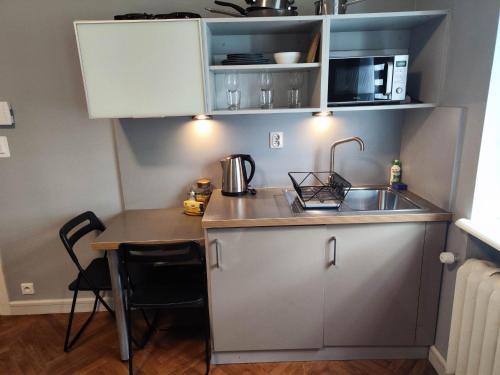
(273, 4)
(254, 11)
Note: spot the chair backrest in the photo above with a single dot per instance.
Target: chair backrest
(159, 255)
(75, 229)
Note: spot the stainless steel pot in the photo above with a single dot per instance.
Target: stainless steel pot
(333, 6)
(272, 4)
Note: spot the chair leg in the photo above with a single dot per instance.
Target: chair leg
(104, 303)
(208, 352)
(151, 328)
(84, 325)
(130, 351)
(70, 321)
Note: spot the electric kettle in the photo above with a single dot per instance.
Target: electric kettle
(234, 174)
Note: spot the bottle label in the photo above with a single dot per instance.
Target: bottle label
(395, 174)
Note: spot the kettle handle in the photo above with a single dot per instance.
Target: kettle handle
(252, 165)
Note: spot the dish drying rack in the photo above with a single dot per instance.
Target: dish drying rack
(320, 189)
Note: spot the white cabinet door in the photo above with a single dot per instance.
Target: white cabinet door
(372, 290)
(266, 287)
(141, 68)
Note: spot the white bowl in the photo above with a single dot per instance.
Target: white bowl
(287, 57)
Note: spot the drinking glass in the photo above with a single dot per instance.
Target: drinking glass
(295, 80)
(266, 90)
(232, 84)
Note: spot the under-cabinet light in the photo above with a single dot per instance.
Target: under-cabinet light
(322, 114)
(202, 117)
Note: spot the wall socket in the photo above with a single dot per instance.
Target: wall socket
(276, 139)
(27, 288)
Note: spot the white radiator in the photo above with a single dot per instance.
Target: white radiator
(474, 346)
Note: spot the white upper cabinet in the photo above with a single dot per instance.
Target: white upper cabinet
(141, 68)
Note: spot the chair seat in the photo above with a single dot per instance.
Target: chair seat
(178, 295)
(98, 274)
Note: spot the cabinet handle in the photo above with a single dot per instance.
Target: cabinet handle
(333, 261)
(217, 254)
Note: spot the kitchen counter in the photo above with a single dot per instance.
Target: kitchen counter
(270, 207)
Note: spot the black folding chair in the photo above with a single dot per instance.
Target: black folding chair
(163, 277)
(94, 278)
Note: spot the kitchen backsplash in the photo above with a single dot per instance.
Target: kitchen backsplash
(160, 158)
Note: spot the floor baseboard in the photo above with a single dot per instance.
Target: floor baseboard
(437, 361)
(52, 306)
(323, 354)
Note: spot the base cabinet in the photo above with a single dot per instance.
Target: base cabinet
(307, 287)
(266, 288)
(373, 283)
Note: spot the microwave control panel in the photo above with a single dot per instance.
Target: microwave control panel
(399, 77)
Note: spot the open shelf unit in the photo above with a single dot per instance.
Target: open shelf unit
(266, 36)
(420, 34)
(264, 67)
(383, 21)
(381, 107)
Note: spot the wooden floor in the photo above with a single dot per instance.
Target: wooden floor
(33, 345)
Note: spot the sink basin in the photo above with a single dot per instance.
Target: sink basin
(371, 199)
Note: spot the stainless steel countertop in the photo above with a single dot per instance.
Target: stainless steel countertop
(270, 207)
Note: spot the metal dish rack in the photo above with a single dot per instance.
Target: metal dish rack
(320, 189)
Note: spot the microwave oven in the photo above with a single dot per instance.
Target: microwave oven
(367, 79)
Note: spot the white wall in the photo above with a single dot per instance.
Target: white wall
(473, 32)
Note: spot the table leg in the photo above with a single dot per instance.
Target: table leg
(116, 284)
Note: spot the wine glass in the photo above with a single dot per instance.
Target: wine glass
(232, 84)
(295, 80)
(266, 90)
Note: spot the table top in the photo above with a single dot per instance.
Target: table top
(168, 225)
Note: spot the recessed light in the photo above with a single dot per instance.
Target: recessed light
(322, 114)
(202, 117)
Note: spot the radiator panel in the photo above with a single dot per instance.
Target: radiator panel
(473, 345)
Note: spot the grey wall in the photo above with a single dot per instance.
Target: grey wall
(62, 163)
(473, 33)
(160, 158)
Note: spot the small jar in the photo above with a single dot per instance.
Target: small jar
(203, 190)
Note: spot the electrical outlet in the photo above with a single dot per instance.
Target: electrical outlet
(4, 147)
(6, 114)
(27, 288)
(276, 139)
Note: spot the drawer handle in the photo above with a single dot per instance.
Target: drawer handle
(333, 261)
(217, 254)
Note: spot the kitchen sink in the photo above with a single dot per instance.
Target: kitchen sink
(376, 199)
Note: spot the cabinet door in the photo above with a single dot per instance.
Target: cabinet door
(141, 69)
(267, 290)
(372, 288)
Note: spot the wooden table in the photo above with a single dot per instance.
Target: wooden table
(158, 226)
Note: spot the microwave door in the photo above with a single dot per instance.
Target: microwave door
(352, 80)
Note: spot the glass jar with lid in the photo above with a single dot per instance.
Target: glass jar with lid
(203, 190)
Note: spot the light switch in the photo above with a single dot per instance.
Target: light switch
(6, 114)
(4, 148)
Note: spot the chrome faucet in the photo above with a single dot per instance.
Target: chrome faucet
(339, 142)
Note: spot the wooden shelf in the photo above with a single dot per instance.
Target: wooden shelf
(264, 67)
(256, 111)
(383, 21)
(381, 107)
